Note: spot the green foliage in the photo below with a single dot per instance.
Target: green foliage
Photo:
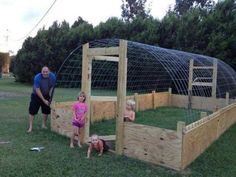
(222, 43)
(112, 28)
(208, 31)
(183, 6)
(134, 8)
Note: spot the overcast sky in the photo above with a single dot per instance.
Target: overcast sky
(20, 16)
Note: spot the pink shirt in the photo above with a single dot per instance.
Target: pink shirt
(99, 146)
(79, 109)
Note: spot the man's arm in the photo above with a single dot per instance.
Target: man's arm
(37, 89)
(51, 91)
(40, 95)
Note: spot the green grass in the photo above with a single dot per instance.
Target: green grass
(58, 160)
(164, 117)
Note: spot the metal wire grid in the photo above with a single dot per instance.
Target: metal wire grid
(150, 68)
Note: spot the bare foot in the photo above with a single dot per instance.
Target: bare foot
(29, 130)
(71, 145)
(80, 146)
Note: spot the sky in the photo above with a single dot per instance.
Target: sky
(18, 17)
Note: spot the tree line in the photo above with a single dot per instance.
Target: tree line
(197, 26)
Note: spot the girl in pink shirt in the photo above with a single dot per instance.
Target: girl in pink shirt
(78, 121)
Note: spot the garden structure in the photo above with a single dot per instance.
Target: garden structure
(111, 71)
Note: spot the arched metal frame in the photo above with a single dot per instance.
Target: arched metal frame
(150, 68)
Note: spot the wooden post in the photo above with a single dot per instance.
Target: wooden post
(214, 79)
(153, 99)
(136, 102)
(91, 111)
(180, 126)
(190, 86)
(180, 130)
(203, 114)
(227, 98)
(169, 97)
(121, 96)
(86, 86)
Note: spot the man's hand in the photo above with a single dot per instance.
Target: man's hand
(46, 102)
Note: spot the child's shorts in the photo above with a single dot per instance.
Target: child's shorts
(78, 124)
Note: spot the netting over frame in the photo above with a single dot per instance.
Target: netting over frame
(150, 68)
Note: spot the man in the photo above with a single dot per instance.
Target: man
(44, 84)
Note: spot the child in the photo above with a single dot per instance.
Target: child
(129, 112)
(98, 144)
(78, 121)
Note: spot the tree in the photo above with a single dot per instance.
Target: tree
(112, 28)
(223, 35)
(133, 8)
(182, 6)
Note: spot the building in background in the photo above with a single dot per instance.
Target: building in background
(5, 59)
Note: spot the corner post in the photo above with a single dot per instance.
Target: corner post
(121, 96)
(86, 87)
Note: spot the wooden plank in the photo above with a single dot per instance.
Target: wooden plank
(103, 98)
(170, 97)
(106, 58)
(86, 86)
(180, 126)
(145, 101)
(153, 144)
(103, 51)
(153, 99)
(197, 140)
(205, 103)
(121, 95)
(102, 110)
(190, 77)
(190, 84)
(203, 67)
(61, 119)
(208, 84)
(108, 137)
(136, 102)
(200, 137)
(161, 99)
(214, 78)
(227, 99)
(203, 114)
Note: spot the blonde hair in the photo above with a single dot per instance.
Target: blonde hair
(131, 103)
(94, 137)
(82, 94)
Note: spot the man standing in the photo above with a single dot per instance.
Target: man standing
(44, 84)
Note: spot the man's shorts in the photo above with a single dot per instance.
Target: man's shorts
(36, 103)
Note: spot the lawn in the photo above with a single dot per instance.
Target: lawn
(164, 117)
(58, 160)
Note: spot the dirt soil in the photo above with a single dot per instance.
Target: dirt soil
(4, 94)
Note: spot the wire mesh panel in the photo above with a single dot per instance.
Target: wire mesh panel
(152, 68)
